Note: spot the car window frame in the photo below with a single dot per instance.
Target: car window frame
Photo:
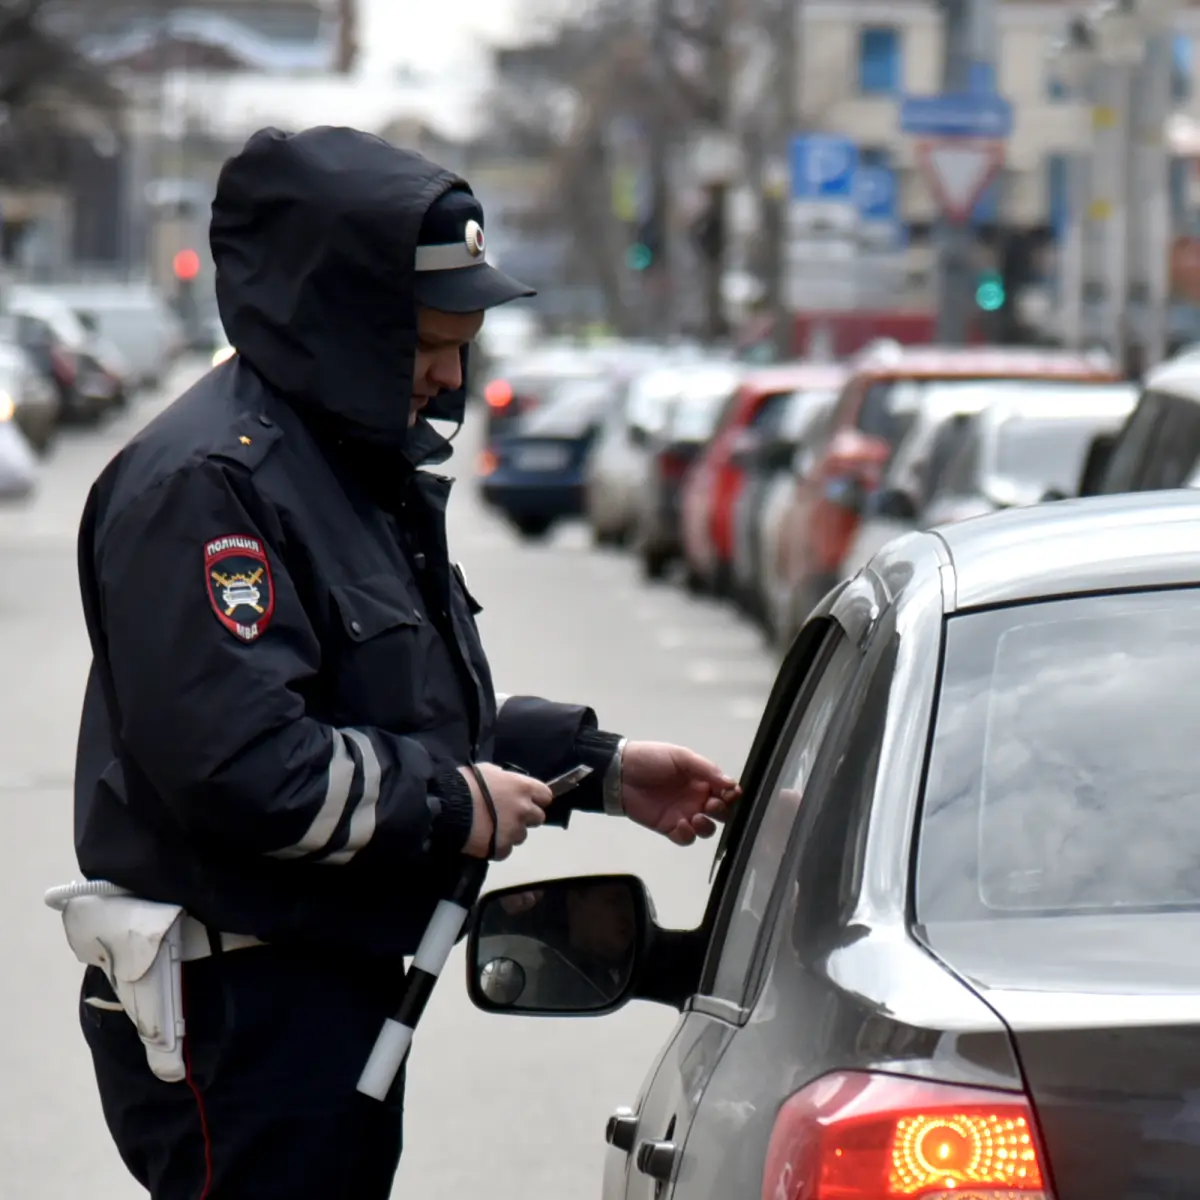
(852, 610)
(839, 659)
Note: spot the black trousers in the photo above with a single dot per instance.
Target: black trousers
(276, 1039)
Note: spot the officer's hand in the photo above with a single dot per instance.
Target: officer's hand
(520, 806)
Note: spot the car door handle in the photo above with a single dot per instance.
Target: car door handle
(656, 1159)
(621, 1131)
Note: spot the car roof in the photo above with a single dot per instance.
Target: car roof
(1178, 376)
(1100, 543)
(933, 362)
(792, 377)
(1113, 400)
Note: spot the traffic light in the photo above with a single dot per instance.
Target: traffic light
(990, 293)
(646, 249)
(186, 265)
(639, 257)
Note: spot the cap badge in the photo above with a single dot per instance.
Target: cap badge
(474, 239)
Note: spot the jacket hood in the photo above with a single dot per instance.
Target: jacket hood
(314, 239)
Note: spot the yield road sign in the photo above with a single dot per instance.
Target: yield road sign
(966, 114)
(959, 171)
(823, 167)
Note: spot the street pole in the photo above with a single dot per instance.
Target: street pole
(788, 46)
(659, 291)
(969, 50)
(1149, 224)
(1110, 207)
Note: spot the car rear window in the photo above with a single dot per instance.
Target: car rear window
(1063, 775)
(1046, 452)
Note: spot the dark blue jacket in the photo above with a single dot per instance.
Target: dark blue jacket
(287, 672)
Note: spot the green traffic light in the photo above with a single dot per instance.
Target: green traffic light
(989, 295)
(638, 257)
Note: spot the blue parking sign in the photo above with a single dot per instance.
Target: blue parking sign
(875, 193)
(823, 167)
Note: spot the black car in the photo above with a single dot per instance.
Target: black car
(532, 468)
(953, 943)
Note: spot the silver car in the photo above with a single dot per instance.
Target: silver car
(951, 946)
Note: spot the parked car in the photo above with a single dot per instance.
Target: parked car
(944, 412)
(952, 944)
(1159, 446)
(1026, 447)
(874, 413)
(945, 422)
(619, 465)
(19, 468)
(533, 471)
(693, 410)
(519, 386)
(27, 395)
(767, 454)
(62, 348)
(134, 318)
(711, 489)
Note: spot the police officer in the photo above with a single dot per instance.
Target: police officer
(290, 728)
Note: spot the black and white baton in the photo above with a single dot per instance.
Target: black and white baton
(395, 1038)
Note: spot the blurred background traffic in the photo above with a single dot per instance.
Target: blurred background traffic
(696, 189)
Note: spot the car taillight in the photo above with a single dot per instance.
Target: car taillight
(487, 462)
(498, 394)
(851, 1136)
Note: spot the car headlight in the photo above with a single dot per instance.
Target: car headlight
(8, 407)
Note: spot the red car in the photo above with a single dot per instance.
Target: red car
(711, 488)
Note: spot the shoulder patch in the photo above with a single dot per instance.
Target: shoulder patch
(240, 587)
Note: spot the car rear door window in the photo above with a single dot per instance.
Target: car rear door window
(1062, 774)
(766, 839)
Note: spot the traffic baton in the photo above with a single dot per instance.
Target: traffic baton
(395, 1038)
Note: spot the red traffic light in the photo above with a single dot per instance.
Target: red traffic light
(187, 264)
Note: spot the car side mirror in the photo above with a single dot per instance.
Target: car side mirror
(893, 503)
(567, 947)
(639, 435)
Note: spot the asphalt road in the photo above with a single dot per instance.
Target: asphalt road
(512, 1106)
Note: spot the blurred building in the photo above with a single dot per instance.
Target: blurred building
(858, 57)
(138, 196)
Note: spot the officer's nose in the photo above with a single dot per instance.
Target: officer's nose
(447, 370)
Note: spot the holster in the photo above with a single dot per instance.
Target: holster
(139, 945)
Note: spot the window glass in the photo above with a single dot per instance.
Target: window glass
(961, 477)
(879, 60)
(1175, 448)
(1130, 451)
(1063, 772)
(768, 834)
(1044, 452)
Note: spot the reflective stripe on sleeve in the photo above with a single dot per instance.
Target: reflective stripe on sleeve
(362, 823)
(339, 781)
